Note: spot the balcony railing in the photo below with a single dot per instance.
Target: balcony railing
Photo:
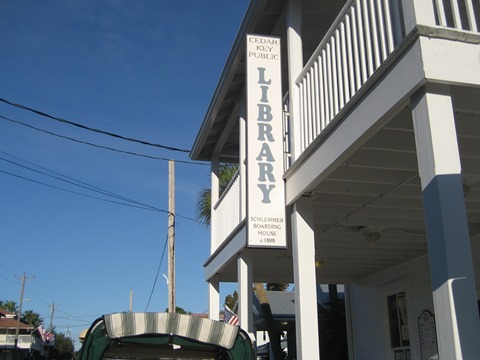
(362, 37)
(359, 41)
(457, 14)
(8, 340)
(287, 152)
(229, 210)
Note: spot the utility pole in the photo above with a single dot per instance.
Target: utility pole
(131, 301)
(171, 236)
(19, 315)
(52, 310)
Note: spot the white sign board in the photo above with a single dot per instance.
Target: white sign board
(265, 185)
(428, 336)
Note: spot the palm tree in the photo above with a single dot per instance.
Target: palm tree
(10, 306)
(32, 318)
(226, 173)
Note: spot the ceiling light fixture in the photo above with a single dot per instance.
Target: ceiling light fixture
(371, 234)
(321, 262)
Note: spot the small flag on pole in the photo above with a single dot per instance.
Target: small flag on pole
(230, 317)
(41, 331)
(50, 338)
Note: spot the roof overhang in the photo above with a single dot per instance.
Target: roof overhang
(260, 18)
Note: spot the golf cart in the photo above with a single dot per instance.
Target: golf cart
(152, 336)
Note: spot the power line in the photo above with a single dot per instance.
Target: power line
(12, 281)
(81, 184)
(12, 258)
(187, 218)
(85, 187)
(75, 192)
(72, 317)
(88, 187)
(96, 145)
(73, 326)
(158, 272)
(63, 175)
(3, 265)
(81, 126)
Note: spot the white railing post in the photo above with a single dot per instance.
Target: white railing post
(418, 12)
(471, 16)
(451, 16)
(287, 152)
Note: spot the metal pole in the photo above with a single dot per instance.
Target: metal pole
(19, 315)
(130, 308)
(52, 310)
(171, 236)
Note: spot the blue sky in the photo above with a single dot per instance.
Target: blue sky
(140, 68)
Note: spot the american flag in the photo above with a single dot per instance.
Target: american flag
(230, 317)
(41, 331)
(50, 338)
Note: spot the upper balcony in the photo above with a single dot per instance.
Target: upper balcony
(24, 341)
(365, 37)
(346, 47)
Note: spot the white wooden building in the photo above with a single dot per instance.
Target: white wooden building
(380, 170)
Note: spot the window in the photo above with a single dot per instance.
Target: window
(398, 321)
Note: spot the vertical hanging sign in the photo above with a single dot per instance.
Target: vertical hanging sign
(265, 185)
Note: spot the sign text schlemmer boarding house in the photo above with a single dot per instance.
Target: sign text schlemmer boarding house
(266, 193)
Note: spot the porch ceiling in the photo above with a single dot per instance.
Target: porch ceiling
(369, 209)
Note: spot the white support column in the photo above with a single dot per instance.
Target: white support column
(214, 196)
(295, 66)
(450, 257)
(214, 299)
(349, 320)
(245, 293)
(303, 245)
